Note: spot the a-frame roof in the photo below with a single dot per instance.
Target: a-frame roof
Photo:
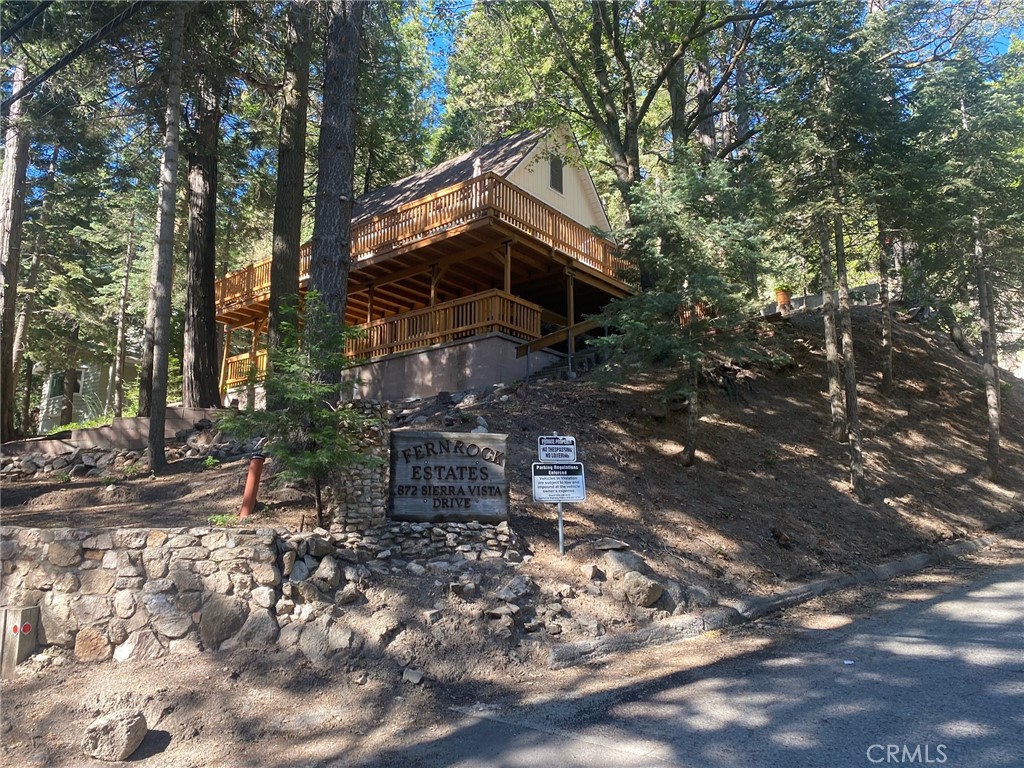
(500, 157)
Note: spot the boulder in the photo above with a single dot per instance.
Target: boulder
(222, 617)
(618, 563)
(641, 590)
(259, 631)
(140, 645)
(114, 737)
(165, 617)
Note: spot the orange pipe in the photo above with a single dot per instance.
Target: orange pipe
(252, 484)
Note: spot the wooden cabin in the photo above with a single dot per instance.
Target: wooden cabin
(473, 272)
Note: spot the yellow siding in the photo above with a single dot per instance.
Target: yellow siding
(578, 200)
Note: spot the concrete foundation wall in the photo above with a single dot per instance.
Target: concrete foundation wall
(452, 367)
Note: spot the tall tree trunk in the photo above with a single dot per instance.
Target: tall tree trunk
(291, 169)
(26, 399)
(67, 406)
(117, 380)
(705, 117)
(692, 414)
(331, 257)
(28, 302)
(200, 385)
(849, 362)
(163, 252)
(828, 311)
(884, 263)
(12, 210)
(989, 354)
(676, 84)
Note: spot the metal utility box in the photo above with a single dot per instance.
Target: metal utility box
(18, 639)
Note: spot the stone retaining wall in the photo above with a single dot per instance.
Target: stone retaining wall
(140, 593)
(357, 497)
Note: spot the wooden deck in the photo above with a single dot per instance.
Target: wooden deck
(487, 198)
(488, 312)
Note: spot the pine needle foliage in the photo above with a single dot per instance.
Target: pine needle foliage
(310, 435)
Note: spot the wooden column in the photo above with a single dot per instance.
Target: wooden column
(369, 305)
(508, 266)
(570, 311)
(224, 364)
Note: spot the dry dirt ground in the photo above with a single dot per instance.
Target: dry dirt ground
(766, 506)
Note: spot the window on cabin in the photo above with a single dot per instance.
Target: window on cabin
(555, 175)
(57, 384)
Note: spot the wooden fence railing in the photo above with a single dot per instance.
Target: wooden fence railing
(481, 313)
(451, 207)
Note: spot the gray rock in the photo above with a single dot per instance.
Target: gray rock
(140, 645)
(414, 676)
(8, 549)
(97, 581)
(264, 597)
(318, 547)
(290, 634)
(610, 544)
(55, 620)
(114, 737)
(328, 573)
(518, 587)
(165, 617)
(64, 553)
(349, 594)
(618, 563)
(222, 617)
(259, 631)
(90, 609)
(340, 637)
(591, 571)
(641, 590)
(288, 562)
(504, 609)
(698, 597)
(313, 641)
(299, 572)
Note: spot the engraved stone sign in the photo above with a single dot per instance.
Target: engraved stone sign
(448, 476)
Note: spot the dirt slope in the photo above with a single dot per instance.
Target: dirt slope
(766, 506)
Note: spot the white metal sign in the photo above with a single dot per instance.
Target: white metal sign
(555, 483)
(556, 449)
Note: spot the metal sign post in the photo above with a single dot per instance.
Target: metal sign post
(558, 477)
(561, 531)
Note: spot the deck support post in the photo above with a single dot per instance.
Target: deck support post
(508, 266)
(224, 364)
(570, 302)
(369, 305)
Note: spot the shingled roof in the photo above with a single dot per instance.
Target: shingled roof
(500, 157)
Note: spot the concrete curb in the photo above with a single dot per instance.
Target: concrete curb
(685, 627)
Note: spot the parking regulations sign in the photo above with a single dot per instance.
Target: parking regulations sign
(555, 483)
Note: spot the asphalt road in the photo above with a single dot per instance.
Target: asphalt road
(930, 682)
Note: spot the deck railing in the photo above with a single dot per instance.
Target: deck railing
(237, 372)
(487, 312)
(455, 206)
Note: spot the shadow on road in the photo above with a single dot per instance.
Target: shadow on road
(942, 677)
